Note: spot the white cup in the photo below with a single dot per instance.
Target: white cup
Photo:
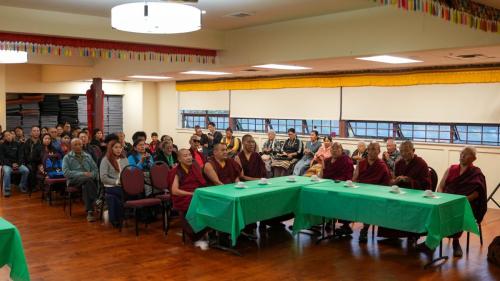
(263, 180)
(291, 178)
(240, 184)
(349, 183)
(395, 189)
(428, 193)
(314, 178)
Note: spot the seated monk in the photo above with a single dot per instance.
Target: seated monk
(221, 169)
(411, 171)
(338, 167)
(253, 167)
(188, 177)
(468, 180)
(374, 171)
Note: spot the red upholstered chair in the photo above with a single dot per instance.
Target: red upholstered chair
(49, 186)
(132, 180)
(70, 193)
(159, 180)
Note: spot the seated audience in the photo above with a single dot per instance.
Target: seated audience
(59, 130)
(31, 153)
(144, 161)
(468, 180)
(67, 128)
(188, 177)
(98, 140)
(232, 143)
(80, 170)
(271, 147)
(374, 171)
(44, 131)
(360, 153)
(391, 155)
(19, 133)
(56, 143)
(169, 138)
(204, 140)
(111, 167)
(127, 147)
(75, 132)
(65, 143)
(252, 165)
(165, 153)
(289, 155)
(11, 159)
(221, 169)
(309, 151)
(214, 137)
(195, 149)
(154, 143)
(324, 151)
(92, 150)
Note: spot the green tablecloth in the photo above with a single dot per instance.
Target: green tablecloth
(373, 204)
(11, 251)
(228, 209)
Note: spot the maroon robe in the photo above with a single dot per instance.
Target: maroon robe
(472, 180)
(189, 182)
(195, 153)
(227, 174)
(417, 171)
(376, 173)
(253, 167)
(341, 169)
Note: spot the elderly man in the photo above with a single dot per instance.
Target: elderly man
(221, 169)
(204, 140)
(338, 167)
(468, 180)
(251, 162)
(11, 159)
(187, 178)
(271, 147)
(374, 171)
(309, 151)
(92, 150)
(360, 153)
(80, 170)
(196, 150)
(392, 155)
(411, 171)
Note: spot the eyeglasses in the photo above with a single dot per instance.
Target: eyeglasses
(196, 141)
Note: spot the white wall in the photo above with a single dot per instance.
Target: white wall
(3, 105)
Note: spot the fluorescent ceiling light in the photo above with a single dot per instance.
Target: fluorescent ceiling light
(202, 72)
(106, 81)
(389, 59)
(156, 17)
(150, 77)
(7, 56)
(282, 66)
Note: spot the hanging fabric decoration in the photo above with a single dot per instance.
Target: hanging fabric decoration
(67, 47)
(464, 12)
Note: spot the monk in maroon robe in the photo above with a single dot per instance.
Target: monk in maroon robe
(338, 167)
(221, 169)
(253, 167)
(187, 177)
(468, 180)
(195, 148)
(411, 171)
(371, 170)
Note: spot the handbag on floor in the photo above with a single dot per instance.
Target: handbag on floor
(494, 251)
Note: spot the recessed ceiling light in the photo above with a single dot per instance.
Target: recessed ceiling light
(389, 59)
(7, 56)
(282, 66)
(202, 72)
(150, 77)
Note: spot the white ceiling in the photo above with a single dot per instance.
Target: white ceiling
(263, 11)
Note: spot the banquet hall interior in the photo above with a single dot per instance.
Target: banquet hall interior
(250, 140)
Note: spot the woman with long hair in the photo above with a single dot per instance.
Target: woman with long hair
(111, 167)
(98, 139)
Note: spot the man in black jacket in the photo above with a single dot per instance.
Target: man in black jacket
(11, 157)
(214, 137)
(32, 152)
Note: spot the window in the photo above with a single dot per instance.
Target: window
(370, 129)
(192, 118)
(477, 134)
(425, 132)
(302, 127)
(324, 127)
(250, 124)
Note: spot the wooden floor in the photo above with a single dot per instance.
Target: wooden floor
(58, 247)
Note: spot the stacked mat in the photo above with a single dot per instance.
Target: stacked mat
(30, 116)
(49, 111)
(82, 111)
(69, 111)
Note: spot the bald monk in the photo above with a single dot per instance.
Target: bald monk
(374, 171)
(468, 180)
(411, 171)
(253, 167)
(188, 177)
(338, 167)
(221, 169)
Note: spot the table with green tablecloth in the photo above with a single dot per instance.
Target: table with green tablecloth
(11, 251)
(373, 204)
(229, 209)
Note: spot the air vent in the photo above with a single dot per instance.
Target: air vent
(469, 56)
(239, 15)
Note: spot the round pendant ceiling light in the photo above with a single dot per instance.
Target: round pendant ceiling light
(156, 18)
(7, 56)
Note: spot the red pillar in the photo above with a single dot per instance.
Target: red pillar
(95, 105)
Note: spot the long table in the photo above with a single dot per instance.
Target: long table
(11, 251)
(229, 209)
(374, 204)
